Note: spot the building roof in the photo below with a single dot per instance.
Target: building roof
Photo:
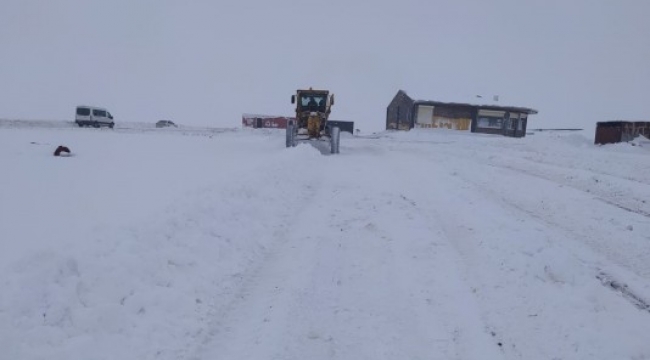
(473, 104)
(478, 106)
(624, 122)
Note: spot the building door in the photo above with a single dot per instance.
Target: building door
(424, 117)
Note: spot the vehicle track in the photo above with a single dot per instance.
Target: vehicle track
(353, 285)
(521, 262)
(591, 206)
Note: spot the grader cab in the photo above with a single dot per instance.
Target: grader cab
(313, 108)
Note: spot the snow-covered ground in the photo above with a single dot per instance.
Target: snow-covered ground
(214, 244)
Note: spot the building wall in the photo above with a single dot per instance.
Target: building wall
(633, 129)
(500, 122)
(443, 117)
(454, 118)
(608, 133)
(617, 131)
(467, 118)
(398, 113)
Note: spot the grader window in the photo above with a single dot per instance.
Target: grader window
(313, 102)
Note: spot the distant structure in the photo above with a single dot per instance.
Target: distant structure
(265, 121)
(347, 126)
(280, 122)
(609, 132)
(405, 113)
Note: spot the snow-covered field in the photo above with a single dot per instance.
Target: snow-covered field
(210, 244)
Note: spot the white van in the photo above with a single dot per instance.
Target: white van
(93, 116)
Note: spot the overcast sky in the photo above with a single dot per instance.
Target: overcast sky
(207, 62)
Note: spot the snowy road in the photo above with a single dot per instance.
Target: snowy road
(421, 245)
(359, 274)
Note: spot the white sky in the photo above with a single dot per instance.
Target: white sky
(206, 62)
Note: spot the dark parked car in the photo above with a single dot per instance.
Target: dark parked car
(165, 123)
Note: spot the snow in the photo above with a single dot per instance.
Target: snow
(222, 244)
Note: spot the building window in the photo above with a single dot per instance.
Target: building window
(489, 122)
(490, 119)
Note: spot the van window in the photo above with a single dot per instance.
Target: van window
(83, 111)
(99, 113)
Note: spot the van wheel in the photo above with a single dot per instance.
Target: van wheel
(96, 125)
(111, 125)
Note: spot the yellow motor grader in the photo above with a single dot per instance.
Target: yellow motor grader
(313, 108)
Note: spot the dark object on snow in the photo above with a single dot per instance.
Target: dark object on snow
(61, 149)
(347, 126)
(610, 132)
(165, 123)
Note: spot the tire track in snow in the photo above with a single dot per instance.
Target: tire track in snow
(246, 285)
(599, 194)
(528, 278)
(558, 214)
(583, 256)
(610, 188)
(635, 299)
(606, 279)
(351, 281)
(378, 297)
(257, 322)
(597, 240)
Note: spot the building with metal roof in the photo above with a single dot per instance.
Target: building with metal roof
(405, 113)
